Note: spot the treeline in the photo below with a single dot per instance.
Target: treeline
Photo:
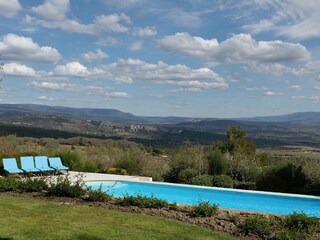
(234, 163)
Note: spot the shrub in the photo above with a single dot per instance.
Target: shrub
(245, 185)
(258, 225)
(96, 196)
(69, 158)
(301, 222)
(115, 170)
(9, 184)
(286, 234)
(222, 181)
(217, 163)
(64, 187)
(89, 166)
(202, 180)
(282, 178)
(130, 162)
(205, 209)
(186, 175)
(142, 201)
(33, 185)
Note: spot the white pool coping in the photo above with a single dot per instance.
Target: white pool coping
(87, 176)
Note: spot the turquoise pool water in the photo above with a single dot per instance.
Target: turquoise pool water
(226, 198)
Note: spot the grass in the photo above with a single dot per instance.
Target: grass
(23, 218)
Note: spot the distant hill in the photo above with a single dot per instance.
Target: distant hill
(6, 110)
(49, 121)
(304, 118)
(91, 113)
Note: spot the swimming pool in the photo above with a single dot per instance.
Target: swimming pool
(226, 198)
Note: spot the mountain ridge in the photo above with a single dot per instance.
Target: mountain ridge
(303, 118)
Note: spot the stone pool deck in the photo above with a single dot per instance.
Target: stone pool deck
(107, 177)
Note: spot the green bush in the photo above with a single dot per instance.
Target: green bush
(283, 178)
(89, 166)
(64, 187)
(217, 163)
(96, 196)
(205, 209)
(142, 201)
(9, 184)
(186, 175)
(130, 162)
(245, 185)
(114, 170)
(301, 222)
(33, 185)
(222, 181)
(258, 225)
(286, 234)
(70, 158)
(202, 180)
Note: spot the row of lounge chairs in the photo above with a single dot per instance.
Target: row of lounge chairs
(32, 164)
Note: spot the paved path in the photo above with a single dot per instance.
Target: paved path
(104, 177)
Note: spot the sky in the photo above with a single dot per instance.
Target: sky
(193, 58)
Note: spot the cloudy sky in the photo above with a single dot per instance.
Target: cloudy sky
(197, 58)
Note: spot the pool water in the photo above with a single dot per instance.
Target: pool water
(226, 198)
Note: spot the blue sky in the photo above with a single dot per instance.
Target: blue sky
(196, 58)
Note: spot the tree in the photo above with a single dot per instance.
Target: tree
(237, 143)
(240, 155)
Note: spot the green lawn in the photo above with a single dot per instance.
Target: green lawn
(22, 218)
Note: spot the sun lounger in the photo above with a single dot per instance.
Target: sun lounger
(55, 162)
(10, 165)
(27, 164)
(42, 163)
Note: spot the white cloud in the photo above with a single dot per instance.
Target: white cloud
(90, 90)
(123, 71)
(75, 69)
(53, 10)
(310, 68)
(136, 46)
(180, 17)
(295, 87)
(101, 24)
(46, 98)
(145, 32)
(240, 48)
(18, 48)
(94, 56)
(18, 70)
(295, 19)
(124, 3)
(163, 73)
(107, 41)
(276, 69)
(271, 93)
(254, 89)
(9, 8)
(50, 86)
(313, 98)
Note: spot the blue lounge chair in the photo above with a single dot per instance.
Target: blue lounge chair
(27, 164)
(10, 165)
(42, 163)
(55, 162)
